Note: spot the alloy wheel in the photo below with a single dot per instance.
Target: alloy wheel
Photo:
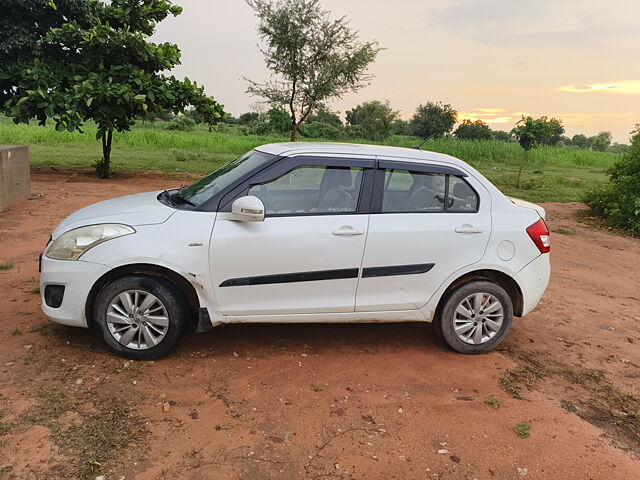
(478, 318)
(137, 319)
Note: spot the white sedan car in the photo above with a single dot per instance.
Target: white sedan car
(302, 232)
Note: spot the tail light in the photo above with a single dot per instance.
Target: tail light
(539, 233)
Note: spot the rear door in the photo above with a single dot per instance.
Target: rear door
(427, 222)
(306, 255)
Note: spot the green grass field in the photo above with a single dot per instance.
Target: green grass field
(551, 174)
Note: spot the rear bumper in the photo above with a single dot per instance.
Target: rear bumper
(77, 277)
(533, 280)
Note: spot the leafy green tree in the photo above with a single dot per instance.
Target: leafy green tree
(325, 116)
(477, 130)
(580, 141)
(601, 141)
(555, 131)
(279, 120)
(248, 118)
(375, 119)
(619, 200)
(24, 22)
(433, 119)
(107, 71)
(501, 135)
(400, 127)
(530, 133)
(312, 58)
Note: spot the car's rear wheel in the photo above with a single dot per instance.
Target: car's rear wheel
(475, 317)
(141, 317)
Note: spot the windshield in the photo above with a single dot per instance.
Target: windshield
(204, 189)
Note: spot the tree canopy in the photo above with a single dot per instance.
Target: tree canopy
(433, 119)
(104, 69)
(470, 130)
(601, 141)
(375, 119)
(312, 57)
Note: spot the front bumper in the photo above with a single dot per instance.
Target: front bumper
(533, 280)
(77, 277)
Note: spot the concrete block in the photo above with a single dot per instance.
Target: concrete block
(15, 177)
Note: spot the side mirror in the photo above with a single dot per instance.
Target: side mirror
(248, 209)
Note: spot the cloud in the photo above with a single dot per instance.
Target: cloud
(541, 23)
(629, 87)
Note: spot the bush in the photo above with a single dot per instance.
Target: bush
(352, 131)
(320, 130)
(181, 123)
(619, 200)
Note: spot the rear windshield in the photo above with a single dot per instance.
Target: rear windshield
(204, 189)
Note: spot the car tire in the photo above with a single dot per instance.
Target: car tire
(140, 317)
(471, 330)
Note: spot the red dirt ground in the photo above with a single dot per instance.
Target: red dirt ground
(324, 401)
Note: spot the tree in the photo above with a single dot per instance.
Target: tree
(325, 116)
(375, 119)
(619, 200)
(530, 133)
(555, 131)
(501, 135)
(580, 141)
(477, 130)
(434, 119)
(24, 22)
(601, 141)
(248, 118)
(312, 58)
(278, 119)
(400, 127)
(107, 72)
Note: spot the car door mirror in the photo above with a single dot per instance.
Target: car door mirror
(248, 209)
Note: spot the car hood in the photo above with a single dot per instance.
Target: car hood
(138, 209)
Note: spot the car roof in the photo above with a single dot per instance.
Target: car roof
(297, 148)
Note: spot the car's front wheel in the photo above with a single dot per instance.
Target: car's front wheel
(475, 317)
(140, 317)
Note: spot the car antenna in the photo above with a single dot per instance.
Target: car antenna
(419, 147)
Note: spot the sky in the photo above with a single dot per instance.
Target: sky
(494, 60)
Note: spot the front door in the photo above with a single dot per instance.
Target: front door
(305, 256)
(427, 224)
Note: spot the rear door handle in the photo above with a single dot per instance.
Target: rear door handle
(466, 228)
(347, 231)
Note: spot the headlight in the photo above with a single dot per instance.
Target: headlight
(72, 244)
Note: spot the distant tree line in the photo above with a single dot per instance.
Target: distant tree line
(377, 121)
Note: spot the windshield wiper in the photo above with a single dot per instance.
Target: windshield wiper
(178, 196)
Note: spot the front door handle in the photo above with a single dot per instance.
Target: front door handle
(466, 228)
(347, 231)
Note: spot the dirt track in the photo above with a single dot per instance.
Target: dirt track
(325, 401)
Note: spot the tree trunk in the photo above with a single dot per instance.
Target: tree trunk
(525, 155)
(105, 169)
(294, 131)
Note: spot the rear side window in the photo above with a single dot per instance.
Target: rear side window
(462, 198)
(311, 190)
(419, 192)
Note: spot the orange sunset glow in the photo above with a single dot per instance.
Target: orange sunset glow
(493, 60)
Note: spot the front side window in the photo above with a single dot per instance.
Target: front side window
(204, 189)
(407, 192)
(309, 190)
